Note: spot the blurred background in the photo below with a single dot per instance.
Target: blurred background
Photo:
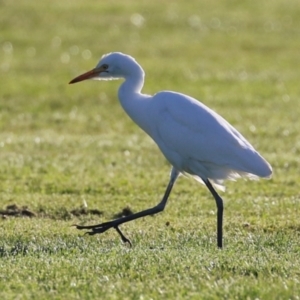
(195, 47)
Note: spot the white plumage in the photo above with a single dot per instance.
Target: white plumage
(193, 138)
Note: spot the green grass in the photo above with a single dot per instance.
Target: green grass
(62, 146)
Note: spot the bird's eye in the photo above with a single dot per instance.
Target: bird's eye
(105, 66)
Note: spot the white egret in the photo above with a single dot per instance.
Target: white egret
(193, 138)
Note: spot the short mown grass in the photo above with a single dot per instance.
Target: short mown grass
(66, 148)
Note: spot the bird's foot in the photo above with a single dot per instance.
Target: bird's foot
(100, 228)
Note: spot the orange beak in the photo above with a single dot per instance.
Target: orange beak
(88, 75)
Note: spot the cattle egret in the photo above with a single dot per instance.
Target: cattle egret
(193, 138)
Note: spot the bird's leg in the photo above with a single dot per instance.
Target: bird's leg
(220, 207)
(100, 228)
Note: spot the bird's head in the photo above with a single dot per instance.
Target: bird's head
(114, 65)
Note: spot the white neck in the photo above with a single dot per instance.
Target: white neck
(132, 100)
(133, 83)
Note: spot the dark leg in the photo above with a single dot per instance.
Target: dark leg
(100, 228)
(219, 203)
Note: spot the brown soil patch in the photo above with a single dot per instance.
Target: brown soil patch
(124, 213)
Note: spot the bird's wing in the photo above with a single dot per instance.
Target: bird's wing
(190, 131)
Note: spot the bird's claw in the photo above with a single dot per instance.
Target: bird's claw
(100, 228)
(90, 233)
(123, 237)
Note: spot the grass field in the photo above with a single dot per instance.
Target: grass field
(62, 146)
